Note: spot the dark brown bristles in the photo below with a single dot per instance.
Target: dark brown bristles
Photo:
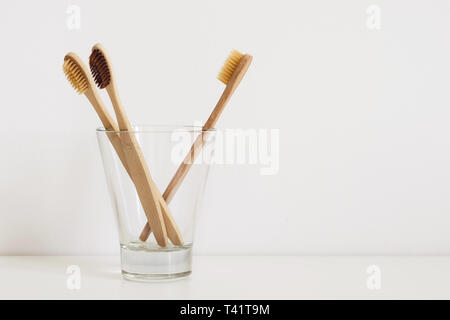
(99, 69)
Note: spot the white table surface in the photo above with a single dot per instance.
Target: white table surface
(231, 277)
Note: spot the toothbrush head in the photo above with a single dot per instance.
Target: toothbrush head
(76, 73)
(100, 69)
(230, 66)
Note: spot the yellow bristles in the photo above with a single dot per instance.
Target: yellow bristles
(229, 66)
(75, 75)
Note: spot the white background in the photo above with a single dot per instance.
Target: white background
(363, 118)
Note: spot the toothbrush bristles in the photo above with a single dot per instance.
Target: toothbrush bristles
(75, 76)
(99, 69)
(229, 66)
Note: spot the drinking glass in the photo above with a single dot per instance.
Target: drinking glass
(163, 149)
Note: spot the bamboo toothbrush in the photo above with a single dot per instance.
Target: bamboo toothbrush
(102, 72)
(79, 78)
(76, 73)
(231, 75)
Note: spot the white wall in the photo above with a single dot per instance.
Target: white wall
(363, 118)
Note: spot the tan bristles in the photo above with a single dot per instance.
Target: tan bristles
(99, 69)
(229, 66)
(75, 75)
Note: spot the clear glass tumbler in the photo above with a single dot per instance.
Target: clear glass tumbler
(164, 148)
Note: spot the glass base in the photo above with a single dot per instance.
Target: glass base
(149, 262)
(154, 277)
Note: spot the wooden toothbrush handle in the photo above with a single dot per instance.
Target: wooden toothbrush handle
(136, 159)
(184, 167)
(145, 186)
(108, 124)
(186, 164)
(176, 180)
(117, 143)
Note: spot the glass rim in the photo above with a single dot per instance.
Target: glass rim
(159, 128)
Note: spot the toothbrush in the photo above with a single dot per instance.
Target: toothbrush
(231, 75)
(102, 72)
(79, 78)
